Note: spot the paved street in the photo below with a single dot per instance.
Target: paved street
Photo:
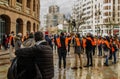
(97, 72)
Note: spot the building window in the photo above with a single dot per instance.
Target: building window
(114, 2)
(118, 1)
(118, 7)
(19, 1)
(34, 5)
(106, 14)
(107, 7)
(105, 1)
(28, 3)
(105, 20)
(118, 14)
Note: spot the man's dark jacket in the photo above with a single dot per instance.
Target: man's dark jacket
(40, 55)
(89, 46)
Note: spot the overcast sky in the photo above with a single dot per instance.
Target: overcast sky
(65, 7)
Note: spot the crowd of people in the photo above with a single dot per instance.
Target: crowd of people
(106, 47)
(38, 48)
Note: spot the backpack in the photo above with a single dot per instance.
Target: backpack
(13, 74)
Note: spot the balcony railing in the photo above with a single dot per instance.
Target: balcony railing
(4, 2)
(28, 10)
(18, 6)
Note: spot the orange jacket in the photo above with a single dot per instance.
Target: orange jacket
(77, 41)
(113, 49)
(58, 42)
(84, 43)
(67, 40)
(107, 43)
(99, 42)
(93, 43)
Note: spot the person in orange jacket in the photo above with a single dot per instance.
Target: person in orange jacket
(111, 40)
(77, 51)
(68, 41)
(89, 50)
(94, 44)
(100, 46)
(106, 48)
(84, 44)
(62, 49)
(114, 50)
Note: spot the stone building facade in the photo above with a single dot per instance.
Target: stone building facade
(20, 16)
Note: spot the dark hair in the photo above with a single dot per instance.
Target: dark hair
(12, 32)
(78, 35)
(38, 36)
(31, 35)
(62, 34)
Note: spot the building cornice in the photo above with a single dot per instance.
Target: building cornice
(21, 13)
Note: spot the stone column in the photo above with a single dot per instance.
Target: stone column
(31, 7)
(13, 3)
(31, 27)
(36, 8)
(24, 5)
(10, 2)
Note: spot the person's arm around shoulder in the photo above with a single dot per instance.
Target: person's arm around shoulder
(26, 52)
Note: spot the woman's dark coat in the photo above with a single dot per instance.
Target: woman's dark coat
(35, 60)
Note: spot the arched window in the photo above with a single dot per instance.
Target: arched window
(8, 1)
(19, 26)
(28, 3)
(28, 26)
(5, 23)
(19, 1)
(34, 5)
(34, 27)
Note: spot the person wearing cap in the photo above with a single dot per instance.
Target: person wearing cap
(62, 49)
(89, 50)
(106, 48)
(48, 39)
(77, 51)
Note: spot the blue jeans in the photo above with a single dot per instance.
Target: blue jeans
(107, 57)
(115, 57)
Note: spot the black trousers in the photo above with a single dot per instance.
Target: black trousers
(89, 57)
(62, 56)
(94, 50)
(68, 47)
(100, 50)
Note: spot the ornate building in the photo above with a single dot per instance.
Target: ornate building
(19, 16)
(54, 17)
